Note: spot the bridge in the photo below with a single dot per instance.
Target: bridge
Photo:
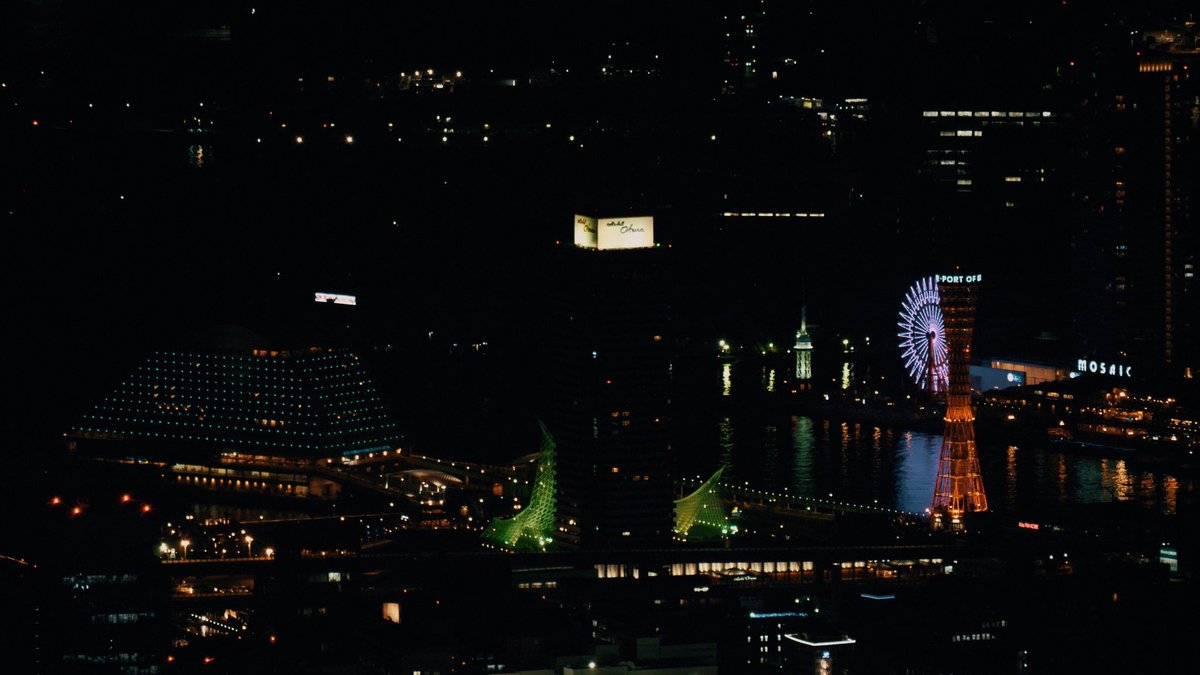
(748, 498)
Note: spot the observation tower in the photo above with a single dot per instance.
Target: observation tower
(959, 487)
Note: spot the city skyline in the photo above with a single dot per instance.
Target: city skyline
(677, 338)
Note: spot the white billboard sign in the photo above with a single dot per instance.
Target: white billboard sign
(614, 233)
(585, 232)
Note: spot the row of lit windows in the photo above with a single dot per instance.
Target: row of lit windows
(200, 414)
(983, 113)
(244, 362)
(214, 382)
(211, 439)
(252, 422)
(222, 483)
(203, 410)
(201, 470)
(225, 427)
(174, 379)
(973, 637)
(86, 581)
(292, 374)
(122, 617)
(330, 354)
(190, 437)
(204, 403)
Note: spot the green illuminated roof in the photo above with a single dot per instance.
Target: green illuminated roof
(533, 528)
(308, 402)
(702, 515)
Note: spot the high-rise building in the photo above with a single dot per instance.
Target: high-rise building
(611, 373)
(742, 57)
(803, 349)
(1135, 244)
(1174, 94)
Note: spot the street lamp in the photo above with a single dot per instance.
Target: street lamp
(249, 542)
(184, 544)
(270, 552)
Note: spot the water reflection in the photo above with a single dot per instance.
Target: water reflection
(1122, 485)
(916, 470)
(899, 468)
(771, 457)
(1170, 491)
(803, 443)
(1010, 477)
(725, 439)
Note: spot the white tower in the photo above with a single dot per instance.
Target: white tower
(803, 350)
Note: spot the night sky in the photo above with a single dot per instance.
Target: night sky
(121, 239)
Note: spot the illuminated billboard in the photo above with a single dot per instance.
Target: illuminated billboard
(585, 232)
(336, 298)
(614, 233)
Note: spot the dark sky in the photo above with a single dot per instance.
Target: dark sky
(98, 280)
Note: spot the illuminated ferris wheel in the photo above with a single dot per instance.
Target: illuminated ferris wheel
(923, 336)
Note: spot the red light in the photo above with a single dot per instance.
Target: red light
(125, 499)
(76, 511)
(170, 658)
(145, 508)
(272, 639)
(208, 660)
(35, 123)
(55, 501)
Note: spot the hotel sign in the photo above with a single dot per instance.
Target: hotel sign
(585, 232)
(614, 233)
(626, 232)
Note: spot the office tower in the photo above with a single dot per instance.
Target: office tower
(610, 380)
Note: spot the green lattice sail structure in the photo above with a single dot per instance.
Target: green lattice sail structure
(533, 528)
(702, 515)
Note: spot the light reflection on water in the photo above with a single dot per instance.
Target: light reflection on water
(916, 470)
(862, 463)
(803, 447)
